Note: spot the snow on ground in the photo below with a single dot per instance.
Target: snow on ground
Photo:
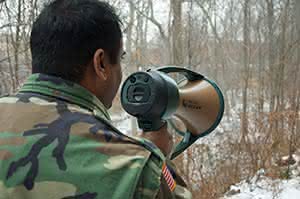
(262, 187)
(265, 188)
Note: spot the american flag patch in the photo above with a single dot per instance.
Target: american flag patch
(168, 177)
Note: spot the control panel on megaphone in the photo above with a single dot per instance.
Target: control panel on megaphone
(154, 97)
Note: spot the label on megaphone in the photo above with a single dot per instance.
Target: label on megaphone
(200, 106)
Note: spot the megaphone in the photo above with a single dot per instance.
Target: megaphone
(154, 97)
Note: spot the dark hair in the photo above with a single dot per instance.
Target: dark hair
(67, 33)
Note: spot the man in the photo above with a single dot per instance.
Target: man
(56, 140)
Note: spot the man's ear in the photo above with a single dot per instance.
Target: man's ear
(98, 61)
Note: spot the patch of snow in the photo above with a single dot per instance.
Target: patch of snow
(262, 187)
(291, 193)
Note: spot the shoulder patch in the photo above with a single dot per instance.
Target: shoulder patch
(168, 177)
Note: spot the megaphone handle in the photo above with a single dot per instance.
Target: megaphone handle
(150, 125)
(189, 74)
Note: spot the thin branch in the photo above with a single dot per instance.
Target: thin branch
(153, 20)
(213, 27)
(9, 57)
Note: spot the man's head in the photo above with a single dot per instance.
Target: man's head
(80, 41)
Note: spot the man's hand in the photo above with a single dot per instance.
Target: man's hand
(161, 138)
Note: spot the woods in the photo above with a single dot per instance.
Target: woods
(251, 48)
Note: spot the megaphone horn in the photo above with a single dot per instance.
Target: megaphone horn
(201, 103)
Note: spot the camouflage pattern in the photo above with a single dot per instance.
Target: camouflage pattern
(56, 142)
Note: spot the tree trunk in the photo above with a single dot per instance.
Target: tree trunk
(130, 56)
(11, 71)
(189, 36)
(282, 64)
(17, 41)
(270, 19)
(261, 81)
(246, 71)
(176, 6)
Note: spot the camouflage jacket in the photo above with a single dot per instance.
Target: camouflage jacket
(56, 141)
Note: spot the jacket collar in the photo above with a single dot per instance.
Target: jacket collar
(65, 90)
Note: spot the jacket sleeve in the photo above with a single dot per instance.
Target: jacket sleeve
(153, 182)
(150, 180)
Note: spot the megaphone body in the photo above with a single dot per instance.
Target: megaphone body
(153, 97)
